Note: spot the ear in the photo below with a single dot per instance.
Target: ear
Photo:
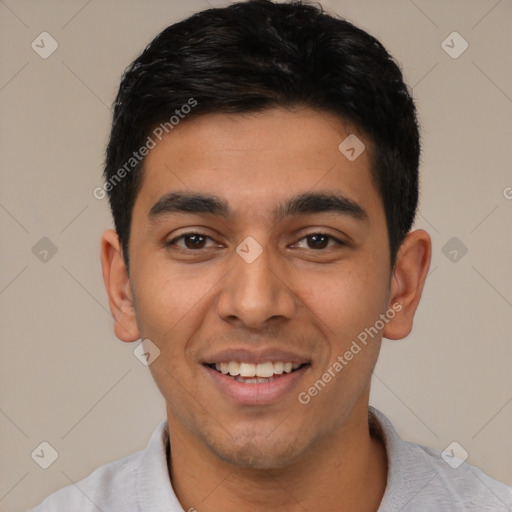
(409, 274)
(117, 284)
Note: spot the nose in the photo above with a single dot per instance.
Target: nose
(256, 294)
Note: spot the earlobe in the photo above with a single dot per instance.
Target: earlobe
(408, 279)
(117, 284)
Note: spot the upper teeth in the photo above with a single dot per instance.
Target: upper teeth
(255, 370)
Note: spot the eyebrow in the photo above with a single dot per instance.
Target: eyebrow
(302, 204)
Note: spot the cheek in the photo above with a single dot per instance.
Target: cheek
(169, 308)
(344, 304)
(346, 301)
(162, 300)
(171, 301)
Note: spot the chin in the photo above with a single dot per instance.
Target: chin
(256, 451)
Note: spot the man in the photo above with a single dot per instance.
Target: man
(262, 172)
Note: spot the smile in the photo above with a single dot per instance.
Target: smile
(261, 370)
(256, 384)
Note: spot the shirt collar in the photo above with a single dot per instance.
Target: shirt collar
(155, 492)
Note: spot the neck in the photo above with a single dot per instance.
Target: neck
(345, 471)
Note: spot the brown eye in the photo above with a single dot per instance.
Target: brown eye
(190, 241)
(318, 241)
(194, 241)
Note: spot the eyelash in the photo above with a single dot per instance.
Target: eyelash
(192, 233)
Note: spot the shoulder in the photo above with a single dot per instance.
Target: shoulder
(128, 484)
(107, 488)
(426, 479)
(448, 482)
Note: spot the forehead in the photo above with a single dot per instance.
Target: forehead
(257, 160)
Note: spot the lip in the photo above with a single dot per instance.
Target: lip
(255, 356)
(265, 393)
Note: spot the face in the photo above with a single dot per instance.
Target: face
(256, 242)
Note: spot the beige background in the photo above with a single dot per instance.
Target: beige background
(65, 379)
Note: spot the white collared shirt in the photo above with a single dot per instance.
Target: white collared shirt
(419, 480)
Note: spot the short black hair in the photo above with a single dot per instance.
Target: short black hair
(256, 55)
